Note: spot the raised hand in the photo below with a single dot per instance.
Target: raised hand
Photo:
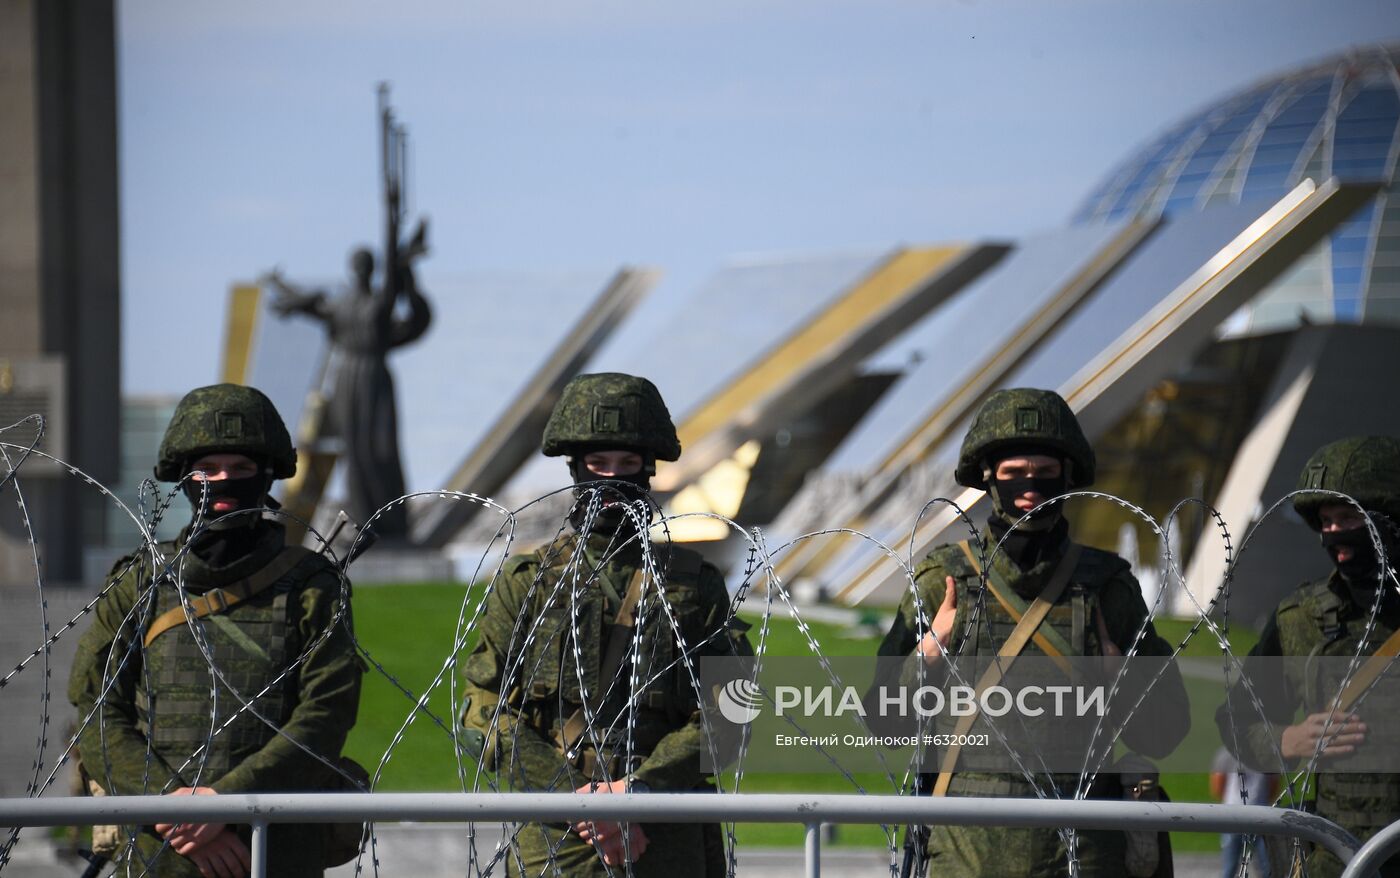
(935, 643)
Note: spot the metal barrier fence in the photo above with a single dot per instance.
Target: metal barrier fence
(812, 811)
(1374, 853)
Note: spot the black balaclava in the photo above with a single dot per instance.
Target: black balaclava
(1046, 528)
(1362, 573)
(228, 536)
(628, 489)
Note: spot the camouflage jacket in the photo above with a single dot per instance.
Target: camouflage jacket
(1318, 620)
(318, 699)
(543, 633)
(1102, 583)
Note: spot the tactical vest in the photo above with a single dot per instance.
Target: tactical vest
(569, 634)
(1071, 619)
(1317, 622)
(1070, 624)
(177, 708)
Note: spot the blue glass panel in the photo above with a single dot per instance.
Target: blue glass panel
(1218, 147)
(1349, 249)
(1367, 159)
(1310, 104)
(1191, 182)
(1365, 129)
(1128, 201)
(1278, 152)
(1271, 183)
(1153, 165)
(1370, 144)
(1271, 168)
(1375, 101)
(1180, 201)
(1351, 239)
(1203, 162)
(1359, 130)
(1347, 306)
(1346, 265)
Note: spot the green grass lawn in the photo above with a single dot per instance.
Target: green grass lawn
(409, 629)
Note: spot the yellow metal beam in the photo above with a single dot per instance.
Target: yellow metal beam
(865, 301)
(822, 336)
(719, 491)
(243, 302)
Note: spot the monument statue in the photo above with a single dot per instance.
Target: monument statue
(364, 324)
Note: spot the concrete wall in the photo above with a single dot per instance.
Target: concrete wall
(59, 268)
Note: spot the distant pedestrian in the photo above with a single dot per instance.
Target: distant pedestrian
(1231, 783)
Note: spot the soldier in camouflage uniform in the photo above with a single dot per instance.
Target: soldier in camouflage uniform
(1025, 447)
(1328, 618)
(282, 643)
(550, 703)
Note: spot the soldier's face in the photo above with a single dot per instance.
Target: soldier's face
(611, 464)
(1339, 517)
(1030, 466)
(220, 467)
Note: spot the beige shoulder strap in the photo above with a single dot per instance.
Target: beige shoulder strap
(1015, 607)
(219, 600)
(1020, 636)
(1374, 667)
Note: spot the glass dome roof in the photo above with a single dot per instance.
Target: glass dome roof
(1339, 117)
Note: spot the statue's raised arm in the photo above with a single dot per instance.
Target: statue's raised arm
(289, 299)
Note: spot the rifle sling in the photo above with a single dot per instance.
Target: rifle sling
(1020, 636)
(1049, 641)
(619, 637)
(1374, 667)
(219, 600)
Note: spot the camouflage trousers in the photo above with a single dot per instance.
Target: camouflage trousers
(994, 852)
(674, 850)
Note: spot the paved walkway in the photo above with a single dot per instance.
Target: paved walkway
(21, 632)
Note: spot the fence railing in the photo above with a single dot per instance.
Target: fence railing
(811, 811)
(1377, 849)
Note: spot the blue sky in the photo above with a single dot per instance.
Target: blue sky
(556, 137)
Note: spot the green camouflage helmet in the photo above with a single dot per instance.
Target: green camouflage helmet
(225, 419)
(611, 410)
(1365, 468)
(1024, 416)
